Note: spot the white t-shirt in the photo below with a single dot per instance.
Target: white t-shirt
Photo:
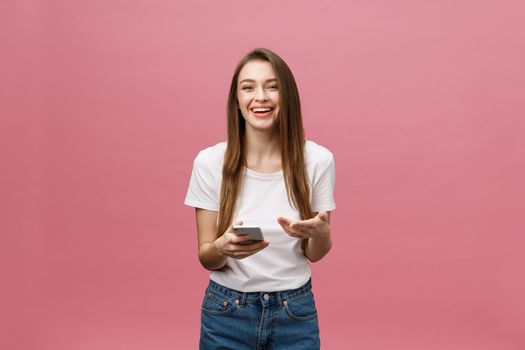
(282, 265)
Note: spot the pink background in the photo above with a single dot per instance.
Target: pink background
(104, 105)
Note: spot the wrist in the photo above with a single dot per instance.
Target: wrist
(322, 236)
(317, 248)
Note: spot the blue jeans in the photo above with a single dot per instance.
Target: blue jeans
(258, 320)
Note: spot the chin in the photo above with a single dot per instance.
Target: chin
(263, 127)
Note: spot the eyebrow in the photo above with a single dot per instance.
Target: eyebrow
(253, 81)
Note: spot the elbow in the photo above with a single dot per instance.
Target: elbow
(211, 265)
(315, 258)
(206, 264)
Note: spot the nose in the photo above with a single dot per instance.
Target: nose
(260, 94)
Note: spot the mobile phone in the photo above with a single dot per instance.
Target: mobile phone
(253, 232)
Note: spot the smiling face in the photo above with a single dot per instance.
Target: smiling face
(258, 95)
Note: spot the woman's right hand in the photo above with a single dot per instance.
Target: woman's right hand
(229, 244)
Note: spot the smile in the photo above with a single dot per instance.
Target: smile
(261, 109)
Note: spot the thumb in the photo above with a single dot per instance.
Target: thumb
(323, 215)
(236, 223)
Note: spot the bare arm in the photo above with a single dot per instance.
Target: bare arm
(318, 246)
(209, 256)
(213, 251)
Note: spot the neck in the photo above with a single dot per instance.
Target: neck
(263, 150)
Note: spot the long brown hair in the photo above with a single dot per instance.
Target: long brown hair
(291, 135)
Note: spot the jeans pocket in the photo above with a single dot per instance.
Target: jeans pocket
(301, 308)
(215, 304)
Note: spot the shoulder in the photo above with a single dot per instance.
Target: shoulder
(212, 156)
(317, 155)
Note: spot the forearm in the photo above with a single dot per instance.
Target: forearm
(210, 257)
(317, 248)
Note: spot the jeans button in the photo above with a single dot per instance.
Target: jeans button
(266, 297)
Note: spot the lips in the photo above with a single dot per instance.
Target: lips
(261, 109)
(261, 112)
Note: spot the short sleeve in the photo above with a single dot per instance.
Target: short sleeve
(204, 187)
(323, 186)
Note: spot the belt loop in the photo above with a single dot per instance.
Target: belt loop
(279, 298)
(243, 299)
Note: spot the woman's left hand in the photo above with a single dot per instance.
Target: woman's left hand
(317, 227)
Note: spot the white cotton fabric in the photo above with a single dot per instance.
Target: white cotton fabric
(282, 265)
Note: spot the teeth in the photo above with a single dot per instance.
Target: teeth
(262, 109)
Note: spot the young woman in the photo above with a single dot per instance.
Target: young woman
(266, 175)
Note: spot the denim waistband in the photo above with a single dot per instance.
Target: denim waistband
(249, 297)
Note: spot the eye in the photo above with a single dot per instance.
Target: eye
(273, 87)
(247, 88)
